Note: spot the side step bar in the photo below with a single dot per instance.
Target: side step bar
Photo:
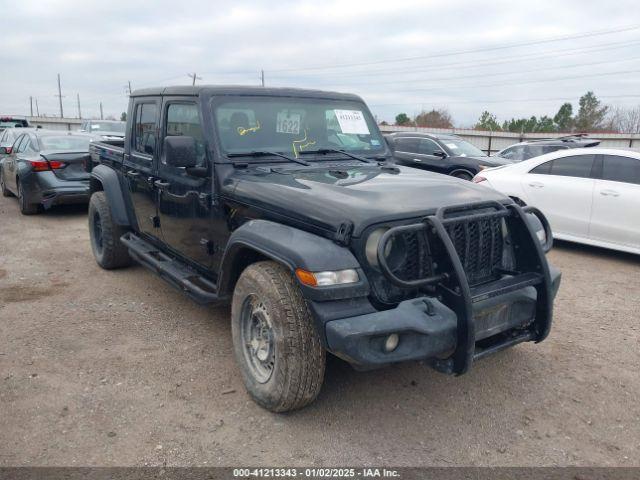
(179, 274)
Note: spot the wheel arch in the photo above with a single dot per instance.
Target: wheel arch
(106, 179)
(259, 240)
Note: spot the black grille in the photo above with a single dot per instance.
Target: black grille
(479, 244)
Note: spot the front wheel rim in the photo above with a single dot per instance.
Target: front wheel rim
(257, 337)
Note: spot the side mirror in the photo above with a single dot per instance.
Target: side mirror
(179, 151)
(439, 153)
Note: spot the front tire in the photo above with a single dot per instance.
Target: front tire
(105, 235)
(26, 208)
(463, 175)
(276, 345)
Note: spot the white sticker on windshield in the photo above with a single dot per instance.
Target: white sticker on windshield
(287, 122)
(352, 121)
(452, 145)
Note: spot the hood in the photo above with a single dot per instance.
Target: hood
(361, 194)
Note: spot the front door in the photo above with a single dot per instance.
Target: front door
(140, 163)
(563, 190)
(616, 202)
(184, 197)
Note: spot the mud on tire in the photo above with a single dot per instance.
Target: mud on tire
(105, 235)
(287, 372)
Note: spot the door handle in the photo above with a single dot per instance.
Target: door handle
(536, 184)
(132, 174)
(609, 193)
(417, 160)
(161, 185)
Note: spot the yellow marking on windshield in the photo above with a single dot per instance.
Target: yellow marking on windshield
(244, 131)
(302, 144)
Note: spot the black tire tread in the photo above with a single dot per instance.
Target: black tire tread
(25, 208)
(114, 253)
(300, 371)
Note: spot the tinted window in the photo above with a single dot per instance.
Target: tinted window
(65, 142)
(409, 145)
(428, 147)
(183, 119)
(542, 169)
(21, 144)
(621, 169)
(144, 128)
(575, 166)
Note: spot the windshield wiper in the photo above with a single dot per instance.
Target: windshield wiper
(333, 150)
(264, 153)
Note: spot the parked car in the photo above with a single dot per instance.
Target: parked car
(45, 168)
(13, 122)
(589, 196)
(534, 148)
(441, 153)
(8, 138)
(104, 129)
(317, 246)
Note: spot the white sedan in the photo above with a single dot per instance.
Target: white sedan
(589, 195)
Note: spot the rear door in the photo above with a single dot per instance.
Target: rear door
(616, 202)
(11, 162)
(418, 152)
(140, 163)
(563, 190)
(183, 198)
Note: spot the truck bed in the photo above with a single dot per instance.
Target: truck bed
(110, 152)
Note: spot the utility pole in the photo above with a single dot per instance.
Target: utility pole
(101, 115)
(31, 105)
(60, 97)
(262, 77)
(37, 109)
(194, 77)
(127, 88)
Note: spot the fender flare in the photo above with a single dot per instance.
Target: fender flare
(292, 248)
(108, 178)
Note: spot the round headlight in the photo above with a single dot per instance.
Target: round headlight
(395, 250)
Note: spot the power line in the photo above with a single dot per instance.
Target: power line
(482, 102)
(464, 52)
(467, 65)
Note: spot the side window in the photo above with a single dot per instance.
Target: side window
(514, 153)
(576, 166)
(621, 169)
(428, 147)
(183, 119)
(552, 148)
(144, 128)
(409, 145)
(31, 145)
(542, 169)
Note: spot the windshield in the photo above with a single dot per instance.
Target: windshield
(107, 127)
(66, 142)
(295, 125)
(462, 148)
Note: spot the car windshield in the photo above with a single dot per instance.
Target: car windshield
(107, 127)
(65, 142)
(461, 148)
(295, 125)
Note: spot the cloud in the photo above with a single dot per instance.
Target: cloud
(98, 47)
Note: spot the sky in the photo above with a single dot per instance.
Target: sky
(513, 58)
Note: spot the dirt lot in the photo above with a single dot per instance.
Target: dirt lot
(117, 368)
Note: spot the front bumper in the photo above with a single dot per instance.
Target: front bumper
(46, 189)
(428, 329)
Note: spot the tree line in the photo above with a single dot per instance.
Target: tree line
(592, 116)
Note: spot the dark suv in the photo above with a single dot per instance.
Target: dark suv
(535, 148)
(283, 203)
(441, 153)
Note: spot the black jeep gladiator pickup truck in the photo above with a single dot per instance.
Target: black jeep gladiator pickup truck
(283, 203)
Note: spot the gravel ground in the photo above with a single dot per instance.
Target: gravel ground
(117, 368)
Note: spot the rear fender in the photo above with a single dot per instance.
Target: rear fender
(106, 179)
(293, 248)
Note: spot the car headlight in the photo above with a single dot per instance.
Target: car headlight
(328, 278)
(395, 251)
